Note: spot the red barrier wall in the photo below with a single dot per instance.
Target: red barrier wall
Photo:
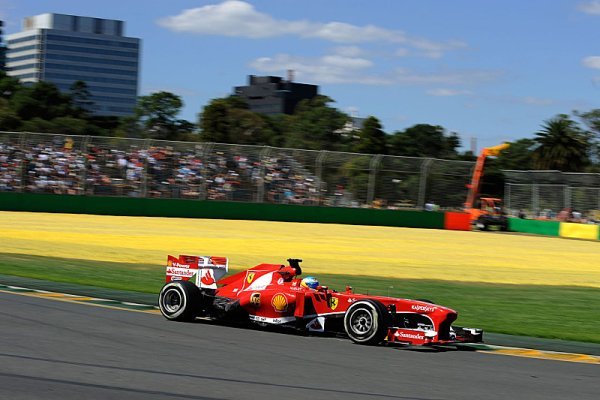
(457, 221)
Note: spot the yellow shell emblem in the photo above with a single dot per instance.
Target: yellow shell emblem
(250, 277)
(279, 302)
(333, 302)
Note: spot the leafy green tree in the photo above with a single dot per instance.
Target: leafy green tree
(42, 100)
(228, 120)
(8, 85)
(372, 139)
(592, 120)
(158, 112)
(563, 145)
(70, 126)
(9, 121)
(215, 120)
(81, 98)
(518, 156)
(315, 125)
(424, 140)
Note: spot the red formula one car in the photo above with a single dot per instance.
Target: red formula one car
(272, 294)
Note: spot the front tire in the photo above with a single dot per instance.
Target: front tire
(366, 322)
(179, 301)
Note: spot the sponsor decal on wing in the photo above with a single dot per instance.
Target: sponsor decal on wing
(250, 277)
(422, 308)
(184, 272)
(207, 278)
(255, 299)
(279, 302)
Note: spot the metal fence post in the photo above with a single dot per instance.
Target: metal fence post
(372, 175)
(423, 182)
(567, 192)
(144, 188)
(86, 163)
(507, 195)
(319, 173)
(260, 185)
(535, 199)
(22, 170)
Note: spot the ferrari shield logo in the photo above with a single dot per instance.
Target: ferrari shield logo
(250, 277)
(333, 302)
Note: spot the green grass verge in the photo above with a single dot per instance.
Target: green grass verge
(559, 312)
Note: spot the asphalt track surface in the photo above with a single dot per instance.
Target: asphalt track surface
(59, 350)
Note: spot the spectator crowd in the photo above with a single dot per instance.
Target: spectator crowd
(114, 167)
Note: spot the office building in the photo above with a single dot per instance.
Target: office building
(273, 95)
(63, 49)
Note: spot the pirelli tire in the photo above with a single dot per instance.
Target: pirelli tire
(180, 301)
(367, 322)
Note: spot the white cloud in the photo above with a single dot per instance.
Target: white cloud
(349, 51)
(591, 62)
(445, 92)
(457, 77)
(536, 101)
(590, 7)
(326, 69)
(236, 18)
(336, 68)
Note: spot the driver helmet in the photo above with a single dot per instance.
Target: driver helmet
(309, 282)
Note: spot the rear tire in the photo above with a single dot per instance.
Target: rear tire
(367, 322)
(180, 301)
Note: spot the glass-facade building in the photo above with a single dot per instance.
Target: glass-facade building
(63, 49)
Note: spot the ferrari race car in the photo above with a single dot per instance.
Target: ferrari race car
(273, 294)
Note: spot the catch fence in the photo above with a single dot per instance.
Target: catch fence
(110, 166)
(545, 193)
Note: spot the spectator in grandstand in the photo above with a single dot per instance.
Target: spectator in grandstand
(10, 160)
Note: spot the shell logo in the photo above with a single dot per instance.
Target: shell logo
(279, 302)
(169, 263)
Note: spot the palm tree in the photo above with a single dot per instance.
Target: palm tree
(562, 145)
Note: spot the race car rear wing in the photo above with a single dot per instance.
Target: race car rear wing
(203, 271)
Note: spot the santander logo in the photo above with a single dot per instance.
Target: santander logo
(207, 279)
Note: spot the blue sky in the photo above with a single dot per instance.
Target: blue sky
(490, 70)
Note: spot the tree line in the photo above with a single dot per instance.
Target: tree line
(565, 142)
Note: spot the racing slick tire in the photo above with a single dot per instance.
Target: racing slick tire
(367, 322)
(179, 301)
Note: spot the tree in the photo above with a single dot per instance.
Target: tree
(158, 115)
(215, 119)
(563, 145)
(372, 139)
(592, 120)
(9, 120)
(8, 85)
(315, 125)
(517, 156)
(81, 98)
(42, 100)
(423, 140)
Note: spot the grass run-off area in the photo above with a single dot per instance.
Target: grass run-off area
(505, 283)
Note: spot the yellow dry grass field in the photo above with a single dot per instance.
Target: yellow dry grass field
(325, 248)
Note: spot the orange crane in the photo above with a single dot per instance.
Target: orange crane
(490, 210)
